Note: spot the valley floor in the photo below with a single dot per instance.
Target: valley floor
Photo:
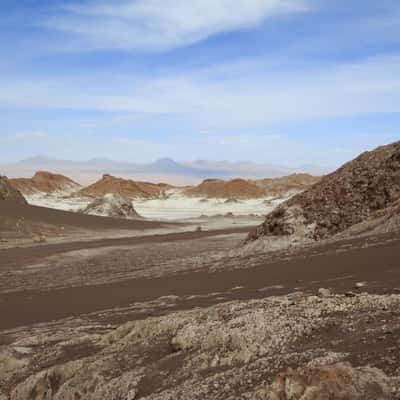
(173, 206)
(190, 315)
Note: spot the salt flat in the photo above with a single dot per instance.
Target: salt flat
(173, 207)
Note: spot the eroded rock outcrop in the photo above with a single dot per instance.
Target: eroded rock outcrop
(124, 187)
(46, 182)
(112, 205)
(227, 351)
(8, 192)
(233, 189)
(247, 189)
(353, 193)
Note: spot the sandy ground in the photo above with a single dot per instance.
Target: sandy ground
(21, 225)
(187, 314)
(41, 283)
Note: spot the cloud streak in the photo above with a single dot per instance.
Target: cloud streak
(23, 137)
(246, 99)
(159, 25)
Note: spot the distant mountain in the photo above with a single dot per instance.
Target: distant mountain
(101, 161)
(41, 160)
(243, 169)
(169, 166)
(165, 169)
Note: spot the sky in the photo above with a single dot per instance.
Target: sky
(289, 82)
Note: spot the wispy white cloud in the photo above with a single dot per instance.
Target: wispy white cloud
(154, 25)
(23, 137)
(245, 100)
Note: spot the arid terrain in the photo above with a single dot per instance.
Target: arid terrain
(200, 200)
(303, 304)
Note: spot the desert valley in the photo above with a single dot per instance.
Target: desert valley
(253, 289)
(200, 200)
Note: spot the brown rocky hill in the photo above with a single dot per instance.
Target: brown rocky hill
(45, 182)
(246, 189)
(124, 187)
(295, 182)
(8, 192)
(235, 189)
(352, 194)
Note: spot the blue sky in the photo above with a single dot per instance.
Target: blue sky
(290, 82)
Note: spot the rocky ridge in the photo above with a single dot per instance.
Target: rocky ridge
(45, 182)
(234, 189)
(247, 189)
(285, 184)
(359, 190)
(124, 187)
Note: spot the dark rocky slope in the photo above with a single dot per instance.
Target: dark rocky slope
(352, 194)
(7, 192)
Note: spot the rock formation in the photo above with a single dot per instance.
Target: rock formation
(226, 351)
(285, 184)
(112, 205)
(8, 192)
(352, 194)
(247, 189)
(234, 189)
(45, 182)
(124, 187)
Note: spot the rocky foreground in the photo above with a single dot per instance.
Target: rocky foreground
(298, 346)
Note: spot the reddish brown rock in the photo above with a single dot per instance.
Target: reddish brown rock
(45, 182)
(8, 192)
(124, 187)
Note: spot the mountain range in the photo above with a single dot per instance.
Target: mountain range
(164, 169)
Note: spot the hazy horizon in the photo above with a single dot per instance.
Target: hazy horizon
(161, 170)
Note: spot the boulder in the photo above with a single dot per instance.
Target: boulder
(112, 205)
